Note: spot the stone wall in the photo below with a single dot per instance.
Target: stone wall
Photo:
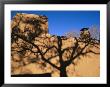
(28, 62)
(30, 22)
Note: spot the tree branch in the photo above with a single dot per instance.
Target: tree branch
(68, 62)
(42, 57)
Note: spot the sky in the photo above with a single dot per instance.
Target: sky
(61, 22)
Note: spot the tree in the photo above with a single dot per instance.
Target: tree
(74, 51)
(95, 33)
(71, 34)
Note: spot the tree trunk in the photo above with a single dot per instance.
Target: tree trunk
(63, 72)
(62, 63)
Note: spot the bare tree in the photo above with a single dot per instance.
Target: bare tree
(74, 51)
(95, 33)
(71, 34)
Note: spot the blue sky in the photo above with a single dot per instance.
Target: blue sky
(61, 22)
